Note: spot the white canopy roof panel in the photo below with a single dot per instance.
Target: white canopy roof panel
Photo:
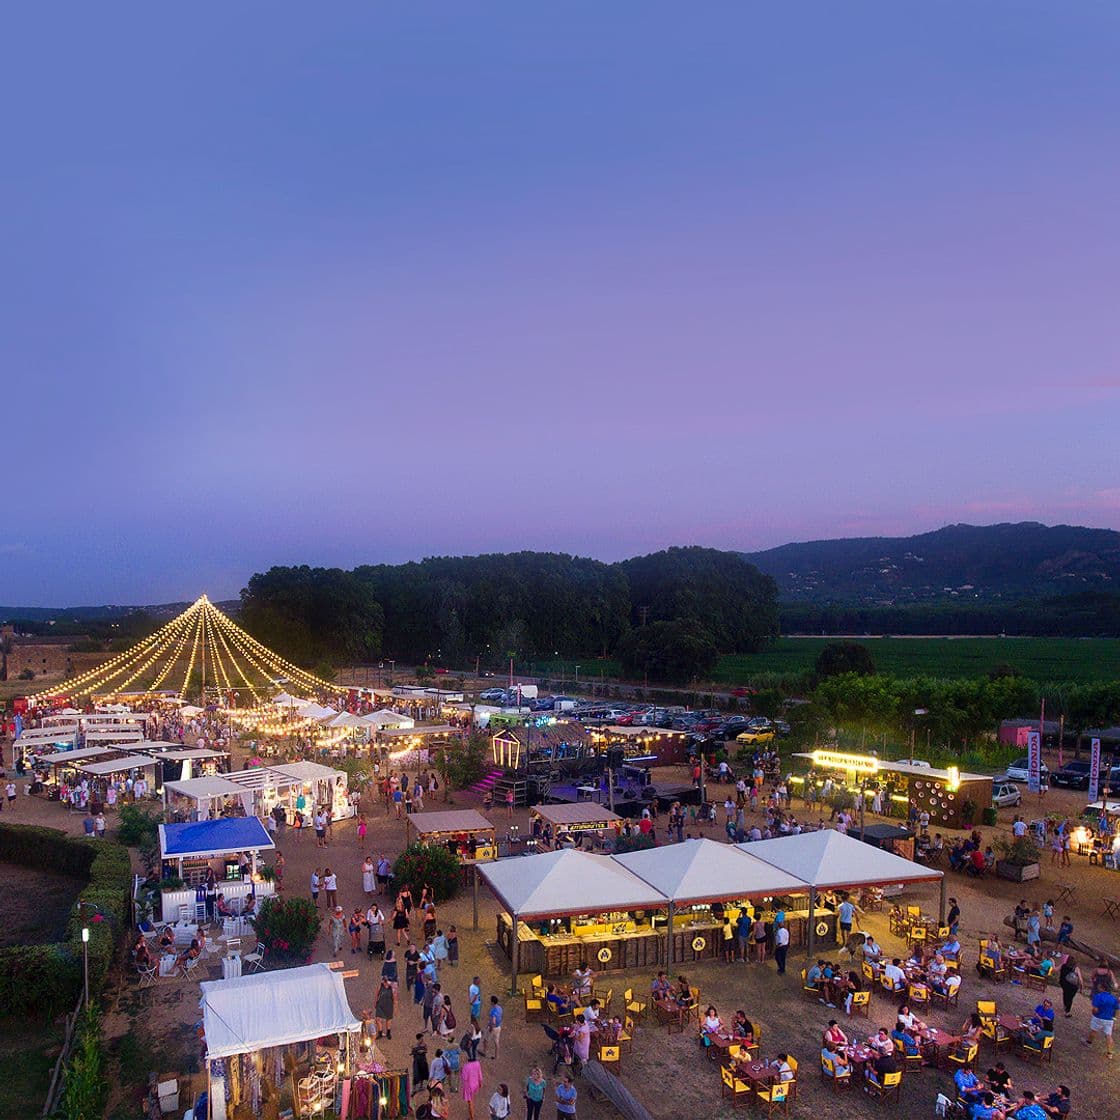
(200, 788)
(706, 871)
(249, 1013)
(567, 882)
(828, 859)
(116, 765)
(385, 718)
(308, 772)
(450, 820)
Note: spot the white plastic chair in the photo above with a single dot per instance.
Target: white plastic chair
(254, 961)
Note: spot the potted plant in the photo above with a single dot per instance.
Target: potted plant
(1019, 859)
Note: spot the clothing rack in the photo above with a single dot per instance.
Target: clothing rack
(362, 1095)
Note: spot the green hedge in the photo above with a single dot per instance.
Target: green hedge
(45, 979)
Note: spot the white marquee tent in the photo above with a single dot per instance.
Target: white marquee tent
(385, 718)
(250, 1013)
(705, 871)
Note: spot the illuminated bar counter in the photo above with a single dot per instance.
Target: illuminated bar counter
(619, 940)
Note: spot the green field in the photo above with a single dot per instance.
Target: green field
(1041, 659)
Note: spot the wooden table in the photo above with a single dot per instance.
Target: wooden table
(718, 1044)
(672, 1014)
(937, 1043)
(759, 1074)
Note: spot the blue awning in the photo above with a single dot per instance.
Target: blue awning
(221, 837)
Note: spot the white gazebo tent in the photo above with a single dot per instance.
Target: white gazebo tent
(383, 718)
(261, 787)
(830, 860)
(324, 784)
(559, 884)
(250, 1014)
(206, 793)
(704, 871)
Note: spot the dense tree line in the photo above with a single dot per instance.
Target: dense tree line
(669, 614)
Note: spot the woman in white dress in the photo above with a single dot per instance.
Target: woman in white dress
(368, 875)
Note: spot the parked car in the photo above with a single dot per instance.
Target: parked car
(782, 727)
(742, 690)
(1004, 794)
(755, 735)
(1074, 774)
(1018, 772)
(760, 723)
(489, 695)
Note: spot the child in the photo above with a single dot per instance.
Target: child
(1065, 931)
(1048, 914)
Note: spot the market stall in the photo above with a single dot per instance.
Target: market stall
(470, 835)
(133, 774)
(564, 908)
(202, 799)
(384, 718)
(289, 1040)
(310, 785)
(707, 881)
(952, 799)
(656, 746)
(568, 823)
(188, 851)
(830, 861)
(55, 772)
(264, 788)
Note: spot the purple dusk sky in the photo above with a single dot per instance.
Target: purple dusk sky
(370, 282)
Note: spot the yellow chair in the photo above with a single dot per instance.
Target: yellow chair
(943, 933)
(861, 1004)
(891, 1083)
(949, 998)
(914, 913)
(918, 935)
(792, 1062)
(868, 972)
(919, 994)
(1043, 1052)
(626, 1035)
(840, 1079)
(555, 1012)
(732, 1086)
(633, 1006)
(534, 1008)
(578, 1011)
(606, 1000)
(611, 1056)
(966, 1060)
(776, 1094)
(537, 983)
(994, 1033)
(987, 1009)
(811, 989)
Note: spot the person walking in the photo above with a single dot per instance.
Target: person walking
(470, 1082)
(419, 1064)
(1070, 981)
(474, 998)
(338, 930)
(330, 885)
(316, 885)
(384, 1008)
(494, 1024)
(368, 875)
(534, 1093)
(375, 924)
(566, 1098)
(781, 947)
(363, 828)
(1103, 1017)
(320, 828)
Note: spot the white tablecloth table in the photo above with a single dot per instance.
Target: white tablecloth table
(231, 966)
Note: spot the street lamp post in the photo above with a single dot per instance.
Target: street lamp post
(85, 960)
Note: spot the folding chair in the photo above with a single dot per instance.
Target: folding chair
(861, 1004)
(633, 1006)
(611, 1056)
(891, 1083)
(776, 1094)
(732, 1086)
(1041, 1053)
(840, 1080)
(254, 961)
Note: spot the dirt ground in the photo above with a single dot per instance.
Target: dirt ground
(669, 1074)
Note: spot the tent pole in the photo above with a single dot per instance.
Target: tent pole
(810, 941)
(941, 906)
(514, 955)
(669, 937)
(474, 892)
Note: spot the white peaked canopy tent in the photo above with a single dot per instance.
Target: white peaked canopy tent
(830, 860)
(287, 699)
(706, 871)
(250, 1013)
(703, 871)
(555, 884)
(385, 718)
(348, 719)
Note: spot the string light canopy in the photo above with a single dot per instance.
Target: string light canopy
(198, 651)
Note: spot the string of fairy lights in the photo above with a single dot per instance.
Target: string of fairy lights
(220, 653)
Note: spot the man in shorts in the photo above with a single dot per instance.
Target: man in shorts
(1104, 1015)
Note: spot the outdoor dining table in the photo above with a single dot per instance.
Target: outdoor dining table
(759, 1074)
(936, 1044)
(167, 964)
(718, 1043)
(672, 1014)
(859, 1055)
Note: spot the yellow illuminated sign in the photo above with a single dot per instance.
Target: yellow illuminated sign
(836, 760)
(954, 778)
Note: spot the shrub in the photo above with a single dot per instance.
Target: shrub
(432, 865)
(85, 1087)
(1020, 851)
(138, 827)
(636, 842)
(461, 767)
(288, 927)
